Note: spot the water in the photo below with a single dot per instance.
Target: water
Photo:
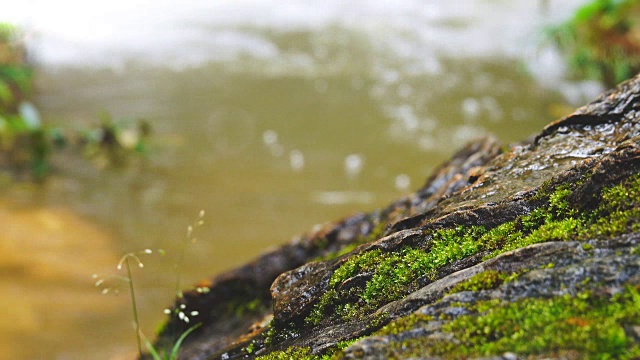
(272, 118)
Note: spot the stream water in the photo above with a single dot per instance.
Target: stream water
(270, 116)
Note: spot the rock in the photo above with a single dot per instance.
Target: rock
(533, 251)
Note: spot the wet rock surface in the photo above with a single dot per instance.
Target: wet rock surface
(547, 225)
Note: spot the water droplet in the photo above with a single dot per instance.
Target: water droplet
(403, 181)
(470, 108)
(296, 160)
(270, 137)
(353, 164)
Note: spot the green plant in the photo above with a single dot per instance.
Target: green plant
(380, 277)
(180, 312)
(27, 144)
(173, 355)
(486, 280)
(589, 323)
(111, 142)
(125, 262)
(601, 40)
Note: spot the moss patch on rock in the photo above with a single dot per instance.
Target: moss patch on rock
(373, 278)
(485, 281)
(593, 325)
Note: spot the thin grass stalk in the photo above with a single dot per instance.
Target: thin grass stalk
(134, 306)
(181, 261)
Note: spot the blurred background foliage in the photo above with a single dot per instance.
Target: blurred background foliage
(26, 144)
(602, 40)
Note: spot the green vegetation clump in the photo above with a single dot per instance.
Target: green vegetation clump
(26, 144)
(592, 325)
(292, 353)
(602, 41)
(22, 139)
(485, 280)
(403, 324)
(304, 353)
(381, 277)
(588, 324)
(242, 307)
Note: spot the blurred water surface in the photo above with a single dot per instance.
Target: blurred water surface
(271, 116)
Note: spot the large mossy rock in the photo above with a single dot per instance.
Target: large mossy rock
(527, 252)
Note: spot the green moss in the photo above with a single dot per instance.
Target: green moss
(587, 247)
(387, 276)
(356, 264)
(241, 307)
(393, 274)
(376, 233)
(292, 353)
(600, 40)
(250, 348)
(274, 335)
(304, 353)
(560, 230)
(317, 313)
(591, 325)
(485, 281)
(403, 324)
(618, 212)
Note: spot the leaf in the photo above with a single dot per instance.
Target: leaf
(587, 12)
(176, 346)
(150, 347)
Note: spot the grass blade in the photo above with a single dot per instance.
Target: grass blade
(176, 346)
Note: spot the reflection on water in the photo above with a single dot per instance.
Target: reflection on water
(302, 114)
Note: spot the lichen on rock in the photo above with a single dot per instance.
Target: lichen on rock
(531, 250)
